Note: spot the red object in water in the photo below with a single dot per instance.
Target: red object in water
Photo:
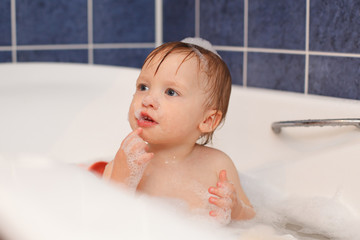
(98, 167)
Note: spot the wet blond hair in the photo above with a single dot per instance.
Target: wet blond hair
(216, 71)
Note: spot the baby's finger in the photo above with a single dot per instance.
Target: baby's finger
(213, 213)
(134, 133)
(145, 158)
(137, 144)
(224, 203)
(223, 189)
(128, 139)
(134, 144)
(223, 176)
(216, 191)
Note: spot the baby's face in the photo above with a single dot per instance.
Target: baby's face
(169, 105)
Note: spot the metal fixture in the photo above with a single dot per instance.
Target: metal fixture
(277, 126)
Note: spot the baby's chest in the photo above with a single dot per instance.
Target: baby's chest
(177, 184)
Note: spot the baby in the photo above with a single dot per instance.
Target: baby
(181, 97)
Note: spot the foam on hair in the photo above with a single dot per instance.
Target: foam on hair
(201, 43)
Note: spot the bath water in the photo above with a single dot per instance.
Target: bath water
(281, 216)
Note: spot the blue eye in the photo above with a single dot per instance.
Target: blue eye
(143, 87)
(171, 92)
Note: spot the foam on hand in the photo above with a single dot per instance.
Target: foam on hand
(134, 154)
(224, 215)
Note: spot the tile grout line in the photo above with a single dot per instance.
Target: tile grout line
(78, 46)
(307, 39)
(158, 22)
(90, 32)
(151, 45)
(13, 31)
(123, 45)
(285, 51)
(245, 49)
(197, 18)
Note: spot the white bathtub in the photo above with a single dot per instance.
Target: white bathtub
(56, 116)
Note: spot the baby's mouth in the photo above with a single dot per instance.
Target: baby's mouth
(144, 117)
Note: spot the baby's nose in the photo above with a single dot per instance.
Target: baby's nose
(151, 101)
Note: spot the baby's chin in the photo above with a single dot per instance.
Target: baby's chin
(149, 138)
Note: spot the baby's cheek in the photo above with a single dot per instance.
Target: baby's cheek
(131, 117)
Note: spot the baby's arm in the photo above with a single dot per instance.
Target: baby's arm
(230, 198)
(130, 161)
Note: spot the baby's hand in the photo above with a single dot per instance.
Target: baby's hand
(131, 159)
(226, 199)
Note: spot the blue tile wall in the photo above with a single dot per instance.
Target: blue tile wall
(5, 23)
(277, 24)
(335, 76)
(79, 56)
(131, 57)
(222, 22)
(179, 19)
(5, 56)
(276, 71)
(119, 21)
(51, 22)
(269, 38)
(334, 26)
(234, 60)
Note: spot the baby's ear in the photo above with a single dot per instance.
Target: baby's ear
(211, 120)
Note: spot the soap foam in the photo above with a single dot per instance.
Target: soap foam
(138, 114)
(201, 43)
(224, 215)
(134, 154)
(279, 216)
(310, 218)
(204, 44)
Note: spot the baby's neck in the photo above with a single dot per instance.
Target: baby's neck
(171, 154)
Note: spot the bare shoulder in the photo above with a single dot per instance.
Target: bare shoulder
(217, 161)
(215, 158)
